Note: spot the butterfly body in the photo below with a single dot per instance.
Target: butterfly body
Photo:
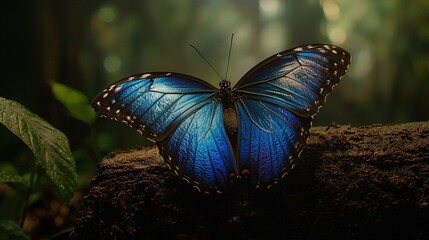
(255, 129)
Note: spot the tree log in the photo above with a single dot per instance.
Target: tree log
(368, 182)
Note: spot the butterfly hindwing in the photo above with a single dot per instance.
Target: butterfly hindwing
(275, 102)
(199, 150)
(269, 138)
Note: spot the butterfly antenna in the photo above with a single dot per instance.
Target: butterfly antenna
(229, 56)
(201, 55)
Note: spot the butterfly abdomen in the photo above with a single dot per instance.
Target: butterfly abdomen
(228, 110)
(230, 121)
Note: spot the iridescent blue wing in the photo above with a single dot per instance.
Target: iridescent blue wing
(182, 114)
(275, 102)
(269, 138)
(153, 103)
(199, 149)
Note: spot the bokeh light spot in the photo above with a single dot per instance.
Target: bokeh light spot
(106, 14)
(112, 63)
(337, 35)
(269, 7)
(331, 10)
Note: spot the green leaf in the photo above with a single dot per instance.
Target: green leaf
(10, 177)
(11, 230)
(75, 101)
(48, 144)
(8, 174)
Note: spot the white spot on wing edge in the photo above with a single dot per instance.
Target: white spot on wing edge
(298, 49)
(196, 187)
(146, 75)
(117, 89)
(284, 174)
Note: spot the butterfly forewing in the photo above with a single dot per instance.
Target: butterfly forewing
(153, 103)
(298, 79)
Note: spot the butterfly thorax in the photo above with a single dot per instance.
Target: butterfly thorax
(229, 116)
(225, 93)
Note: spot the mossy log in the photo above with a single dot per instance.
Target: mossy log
(369, 182)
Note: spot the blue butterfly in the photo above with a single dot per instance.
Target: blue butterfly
(209, 136)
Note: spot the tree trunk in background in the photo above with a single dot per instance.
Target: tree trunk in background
(366, 182)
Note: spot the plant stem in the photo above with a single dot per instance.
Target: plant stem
(28, 194)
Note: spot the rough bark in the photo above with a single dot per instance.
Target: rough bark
(368, 182)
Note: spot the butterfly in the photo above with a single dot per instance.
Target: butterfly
(210, 136)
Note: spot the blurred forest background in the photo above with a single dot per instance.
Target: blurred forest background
(87, 45)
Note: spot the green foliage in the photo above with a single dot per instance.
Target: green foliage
(11, 177)
(75, 101)
(49, 146)
(11, 230)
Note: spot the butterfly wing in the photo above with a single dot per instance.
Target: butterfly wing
(182, 114)
(153, 103)
(275, 102)
(199, 149)
(269, 137)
